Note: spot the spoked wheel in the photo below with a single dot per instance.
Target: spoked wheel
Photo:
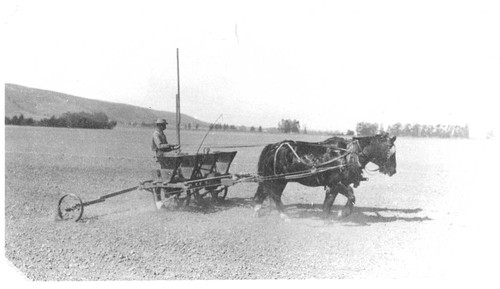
(219, 195)
(224, 193)
(179, 200)
(70, 207)
(171, 199)
(184, 202)
(203, 197)
(176, 202)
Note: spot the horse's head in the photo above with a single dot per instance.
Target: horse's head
(380, 150)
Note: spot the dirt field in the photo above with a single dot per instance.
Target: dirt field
(433, 219)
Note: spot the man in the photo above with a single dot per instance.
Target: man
(160, 144)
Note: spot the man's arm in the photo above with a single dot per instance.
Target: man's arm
(168, 147)
(163, 147)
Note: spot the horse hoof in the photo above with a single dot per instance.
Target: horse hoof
(345, 214)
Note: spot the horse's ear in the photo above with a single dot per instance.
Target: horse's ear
(393, 139)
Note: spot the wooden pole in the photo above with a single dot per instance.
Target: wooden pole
(178, 104)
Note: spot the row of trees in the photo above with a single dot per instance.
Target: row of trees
(190, 127)
(398, 129)
(366, 128)
(414, 130)
(100, 120)
(289, 126)
(217, 126)
(440, 130)
(82, 119)
(227, 127)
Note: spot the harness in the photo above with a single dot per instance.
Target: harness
(350, 155)
(293, 151)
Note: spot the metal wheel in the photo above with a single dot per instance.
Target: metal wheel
(197, 196)
(214, 195)
(70, 207)
(185, 201)
(219, 195)
(203, 198)
(170, 198)
(175, 202)
(224, 193)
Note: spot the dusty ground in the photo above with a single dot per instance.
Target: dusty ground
(433, 219)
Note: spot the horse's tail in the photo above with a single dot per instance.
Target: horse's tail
(265, 161)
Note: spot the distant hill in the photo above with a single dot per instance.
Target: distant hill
(39, 104)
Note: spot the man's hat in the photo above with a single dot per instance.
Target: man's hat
(161, 121)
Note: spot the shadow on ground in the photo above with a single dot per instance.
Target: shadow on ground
(212, 206)
(361, 216)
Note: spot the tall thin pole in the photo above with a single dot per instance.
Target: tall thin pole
(178, 104)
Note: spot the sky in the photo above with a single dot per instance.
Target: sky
(328, 64)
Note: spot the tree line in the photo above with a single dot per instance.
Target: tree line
(289, 126)
(98, 120)
(414, 130)
(397, 129)
(230, 127)
(216, 126)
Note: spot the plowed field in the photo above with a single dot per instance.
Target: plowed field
(433, 219)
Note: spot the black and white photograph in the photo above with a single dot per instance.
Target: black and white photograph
(178, 142)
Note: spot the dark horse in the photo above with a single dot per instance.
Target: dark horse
(335, 163)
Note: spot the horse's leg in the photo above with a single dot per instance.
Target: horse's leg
(348, 192)
(330, 195)
(259, 198)
(276, 189)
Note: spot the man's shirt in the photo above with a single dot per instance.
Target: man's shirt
(159, 142)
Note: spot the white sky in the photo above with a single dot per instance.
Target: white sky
(328, 64)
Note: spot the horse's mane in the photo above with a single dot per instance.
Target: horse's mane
(340, 142)
(366, 140)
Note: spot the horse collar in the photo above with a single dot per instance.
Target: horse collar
(356, 152)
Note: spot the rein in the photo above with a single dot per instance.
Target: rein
(294, 175)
